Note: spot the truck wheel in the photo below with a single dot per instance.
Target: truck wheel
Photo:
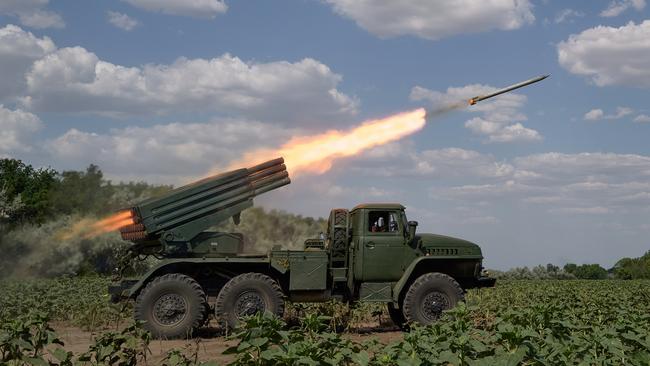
(396, 315)
(172, 306)
(429, 296)
(246, 295)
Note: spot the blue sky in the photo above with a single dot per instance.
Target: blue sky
(164, 90)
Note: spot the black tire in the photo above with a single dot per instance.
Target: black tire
(429, 296)
(172, 306)
(396, 315)
(248, 294)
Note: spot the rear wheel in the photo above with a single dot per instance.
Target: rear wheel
(172, 306)
(246, 295)
(429, 296)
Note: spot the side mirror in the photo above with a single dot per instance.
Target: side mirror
(412, 226)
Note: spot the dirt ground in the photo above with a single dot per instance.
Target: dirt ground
(209, 345)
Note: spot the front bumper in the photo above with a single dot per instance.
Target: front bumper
(119, 290)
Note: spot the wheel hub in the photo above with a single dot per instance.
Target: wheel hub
(249, 303)
(169, 309)
(434, 304)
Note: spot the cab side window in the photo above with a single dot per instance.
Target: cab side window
(382, 222)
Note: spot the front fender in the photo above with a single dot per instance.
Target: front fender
(460, 268)
(397, 289)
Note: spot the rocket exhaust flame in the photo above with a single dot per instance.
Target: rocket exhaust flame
(315, 154)
(88, 229)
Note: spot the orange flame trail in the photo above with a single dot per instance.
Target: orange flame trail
(114, 222)
(87, 228)
(315, 154)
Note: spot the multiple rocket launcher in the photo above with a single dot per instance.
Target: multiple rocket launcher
(185, 212)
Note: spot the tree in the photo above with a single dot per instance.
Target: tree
(26, 192)
(586, 271)
(82, 192)
(633, 268)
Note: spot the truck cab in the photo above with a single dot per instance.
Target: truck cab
(386, 245)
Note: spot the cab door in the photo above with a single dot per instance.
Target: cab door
(382, 246)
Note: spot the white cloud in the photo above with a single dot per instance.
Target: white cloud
(31, 13)
(122, 21)
(598, 114)
(585, 183)
(435, 19)
(18, 49)
(166, 153)
(581, 210)
(617, 7)
(608, 55)
(594, 114)
(191, 8)
(501, 117)
(76, 80)
(567, 15)
(642, 118)
(16, 128)
(402, 159)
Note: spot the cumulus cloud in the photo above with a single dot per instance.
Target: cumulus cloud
(166, 153)
(617, 7)
(501, 117)
(32, 13)
(567, 15)
(435, 19)
(18, 49)
(122, 21)
(594, 114)
(642, 118)
(75, 80)
(609, 55)
(191, 8)
(16, 129)
(403, 159)
(584, 183)
(598, 114)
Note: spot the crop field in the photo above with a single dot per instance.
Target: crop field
(518, 322)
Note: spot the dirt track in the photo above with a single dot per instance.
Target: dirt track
(208, 346)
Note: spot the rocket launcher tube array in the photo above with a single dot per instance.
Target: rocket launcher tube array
(188, 210)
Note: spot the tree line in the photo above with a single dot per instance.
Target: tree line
(37, 205)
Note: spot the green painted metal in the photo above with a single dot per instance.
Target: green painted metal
(161, 267)
(308, 270)
(376, 291)
(379, 258)
(170, 223)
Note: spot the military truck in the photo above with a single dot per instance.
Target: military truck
(369, 253)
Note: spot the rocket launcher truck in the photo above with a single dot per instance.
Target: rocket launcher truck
(369, 253)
